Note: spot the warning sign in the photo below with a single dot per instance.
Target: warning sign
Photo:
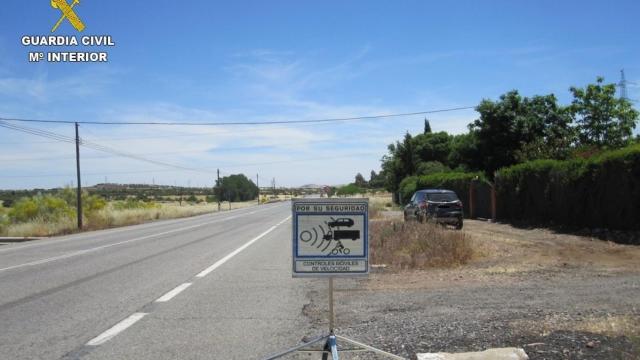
(330, 237)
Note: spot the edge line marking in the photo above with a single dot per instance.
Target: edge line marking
(80, 252)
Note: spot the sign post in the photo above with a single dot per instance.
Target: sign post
(330, 239)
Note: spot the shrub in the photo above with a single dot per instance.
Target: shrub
(350, 189)
(211, 199)
(418, 246)
(600, 192)
(133, 204)
(92, 203)
(42, 207)
(408, 186)
(4, 221)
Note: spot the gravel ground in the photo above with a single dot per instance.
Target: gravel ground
(557, 296)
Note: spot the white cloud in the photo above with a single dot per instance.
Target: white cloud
(45, 89)
(281, 84)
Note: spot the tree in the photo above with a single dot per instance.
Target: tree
(406, 153)
(516, 129)
(360, 181)
(602, 119)
(401, 162)
(236, 188)
(427, 126)
(464, 154)
(432, 167)
(376, 180)
(432, 147)
(551, 134)
(500, 131)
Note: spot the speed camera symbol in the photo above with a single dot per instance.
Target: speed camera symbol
(316, 240)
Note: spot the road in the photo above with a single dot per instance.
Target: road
(216, 286)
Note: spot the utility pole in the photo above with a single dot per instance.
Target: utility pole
(79, 190)
(258, 186)
(219, 192)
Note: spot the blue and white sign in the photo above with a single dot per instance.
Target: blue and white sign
(330, 237)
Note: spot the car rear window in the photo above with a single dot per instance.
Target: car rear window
(442, 197)
(420, 196)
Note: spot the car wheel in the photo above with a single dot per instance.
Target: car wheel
(459, 224)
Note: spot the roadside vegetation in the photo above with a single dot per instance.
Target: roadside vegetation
(580, 160)
(55, 213)
(412, 245)
(599, 192)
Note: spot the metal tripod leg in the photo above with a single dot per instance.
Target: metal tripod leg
(292, 350)
(326, 349)
(331, 345)
(370, 348)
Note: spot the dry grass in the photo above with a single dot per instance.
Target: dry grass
(607, 325)
(418, 246)
(41, 227)
(110, 217)
(378, 203)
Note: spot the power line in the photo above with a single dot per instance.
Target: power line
(94, 146)
(275, 122)
(228, 166)
(172, 135)
(221, 149)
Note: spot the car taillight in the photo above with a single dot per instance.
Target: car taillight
(423, 204)
(458, 203)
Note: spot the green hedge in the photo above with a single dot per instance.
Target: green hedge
(351, 189)
(601, 192)
(456, 181)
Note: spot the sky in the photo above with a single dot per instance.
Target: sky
(213, 61)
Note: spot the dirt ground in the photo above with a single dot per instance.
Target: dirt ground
(558, 296)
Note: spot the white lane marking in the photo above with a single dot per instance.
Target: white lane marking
(80, 252)
(283, 221)
(235, 252)
(126, 323)
(171, 294)
(218, 263)
(116, 329)
(107, 232)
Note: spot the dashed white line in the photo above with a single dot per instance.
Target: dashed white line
(283, 221)
(108, 232)
(116, 329)
(126, 323)
(235, 252)
(80, 252)
(171, 294)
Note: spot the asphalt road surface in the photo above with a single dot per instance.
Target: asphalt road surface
(216, 286)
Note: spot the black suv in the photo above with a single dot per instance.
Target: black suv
(442, 206)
